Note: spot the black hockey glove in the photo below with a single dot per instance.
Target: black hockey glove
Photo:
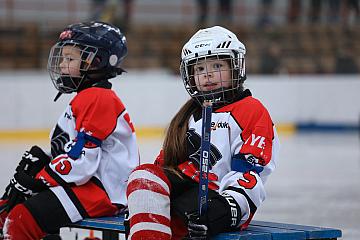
(197, 227)
(31, 163)
(23, 186)
(27, 184)
(11, 198)
(127, 224)
(223, 214)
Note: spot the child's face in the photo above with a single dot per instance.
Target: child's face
(71, 61)
(212, 74)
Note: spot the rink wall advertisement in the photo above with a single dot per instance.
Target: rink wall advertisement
(153, 97)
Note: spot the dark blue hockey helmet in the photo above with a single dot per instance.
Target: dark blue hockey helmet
(100, 48)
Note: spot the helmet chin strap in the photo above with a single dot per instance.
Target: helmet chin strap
(66, 81)
(103, 73)
(57, 96)
(90, 79)
(220, 98)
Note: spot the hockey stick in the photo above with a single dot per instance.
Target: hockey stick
(204, 156)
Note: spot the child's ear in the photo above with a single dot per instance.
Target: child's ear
(96, 62)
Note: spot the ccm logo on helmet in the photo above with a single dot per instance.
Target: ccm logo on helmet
(108, 27)
(202, 45)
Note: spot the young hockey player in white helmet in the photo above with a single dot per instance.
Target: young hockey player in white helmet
(93, 145)
(163, 197)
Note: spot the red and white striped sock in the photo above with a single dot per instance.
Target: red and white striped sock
(148, 194)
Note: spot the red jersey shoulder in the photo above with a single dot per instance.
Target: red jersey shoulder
(96, 110)
(246, 109)
(256, 125)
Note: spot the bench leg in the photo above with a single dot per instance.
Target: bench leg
(110, 235)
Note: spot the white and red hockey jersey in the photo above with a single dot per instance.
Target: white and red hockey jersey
(106, 157)
(244, 149)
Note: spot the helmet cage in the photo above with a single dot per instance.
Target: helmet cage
(65, 82)
(227, 91)
(102, 49)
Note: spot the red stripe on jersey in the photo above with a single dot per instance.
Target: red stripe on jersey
(149, 217)
(96, 110)
(150, 235)
(141, 183)
(43, 175)
(246, 224)
(96, 205)
(127, 119)
(257, 127)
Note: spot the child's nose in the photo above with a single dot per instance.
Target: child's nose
(62, 66)
(208, 74)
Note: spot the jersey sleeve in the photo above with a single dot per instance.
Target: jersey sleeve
(96, 113)
(257, 133)
(254, 151)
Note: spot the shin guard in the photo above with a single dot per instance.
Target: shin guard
(148, 194)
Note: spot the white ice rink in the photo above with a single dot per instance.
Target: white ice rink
(317, 181)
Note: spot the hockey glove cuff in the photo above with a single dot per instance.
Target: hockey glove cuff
(33, 161)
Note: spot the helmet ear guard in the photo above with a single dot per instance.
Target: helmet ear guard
(100, 67)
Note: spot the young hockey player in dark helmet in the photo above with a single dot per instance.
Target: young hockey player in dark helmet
(93, 145)
(163, 197)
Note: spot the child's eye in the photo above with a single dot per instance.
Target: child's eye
(68, 58)
(199, 69)
(217, 65)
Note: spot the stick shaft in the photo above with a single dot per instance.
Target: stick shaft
(204, 158)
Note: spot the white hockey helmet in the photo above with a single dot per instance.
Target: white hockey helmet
(209, 44)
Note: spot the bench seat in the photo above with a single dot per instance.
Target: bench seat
(257, 230)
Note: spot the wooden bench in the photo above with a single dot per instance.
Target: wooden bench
(257, 230)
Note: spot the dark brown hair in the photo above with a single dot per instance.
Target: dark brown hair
(175, 146)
